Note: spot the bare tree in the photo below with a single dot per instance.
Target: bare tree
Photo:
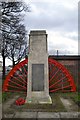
(13, 31)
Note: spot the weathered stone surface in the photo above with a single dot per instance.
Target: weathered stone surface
(78, 114)
(38, 85)
(69, 104)
(25, 115)
(48, 115)
(9, 103)
(68, 114)
(0, 111)
(45, 115)
(8, 115)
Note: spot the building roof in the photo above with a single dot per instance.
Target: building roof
(65, 57)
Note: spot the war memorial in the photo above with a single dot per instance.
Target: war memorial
(39, 86)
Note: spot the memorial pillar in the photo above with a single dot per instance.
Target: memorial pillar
(38, 76)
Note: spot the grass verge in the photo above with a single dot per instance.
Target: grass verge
(56, 106)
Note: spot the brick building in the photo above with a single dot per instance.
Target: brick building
(72, 63)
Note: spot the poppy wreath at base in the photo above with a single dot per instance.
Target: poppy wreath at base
(20, 101)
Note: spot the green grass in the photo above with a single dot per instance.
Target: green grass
(75, 96)
(5, 96)
(56, 106)
(76, 99)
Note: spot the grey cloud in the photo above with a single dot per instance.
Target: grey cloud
(75, 38)
(54, 17)
(57, 47)
(61, 50)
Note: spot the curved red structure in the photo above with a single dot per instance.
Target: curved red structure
(59, 78)
(16, 79)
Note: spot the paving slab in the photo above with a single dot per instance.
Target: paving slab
(0, 111)
(25, 115)
(69, 104)
(78, 114)
(12, 100)
(69, 114)
(8, 115)
(8, 104)
(47, 115)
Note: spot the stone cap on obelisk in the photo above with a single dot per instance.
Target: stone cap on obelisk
(38, 32)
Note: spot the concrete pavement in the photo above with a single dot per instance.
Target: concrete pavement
(44, 115)
(0, 111)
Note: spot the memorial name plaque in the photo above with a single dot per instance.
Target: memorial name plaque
(37, 77)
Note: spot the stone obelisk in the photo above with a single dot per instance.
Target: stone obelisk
(38, 80)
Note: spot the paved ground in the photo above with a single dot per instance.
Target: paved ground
(39, 115)
(0, 111)
(10, 110)
(9, 103)
(69, 104)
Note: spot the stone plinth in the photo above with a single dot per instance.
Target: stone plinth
(38, 84)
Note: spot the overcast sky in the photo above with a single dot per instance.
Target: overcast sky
(60, 19)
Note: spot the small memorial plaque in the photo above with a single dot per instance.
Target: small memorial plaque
(37, 77)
